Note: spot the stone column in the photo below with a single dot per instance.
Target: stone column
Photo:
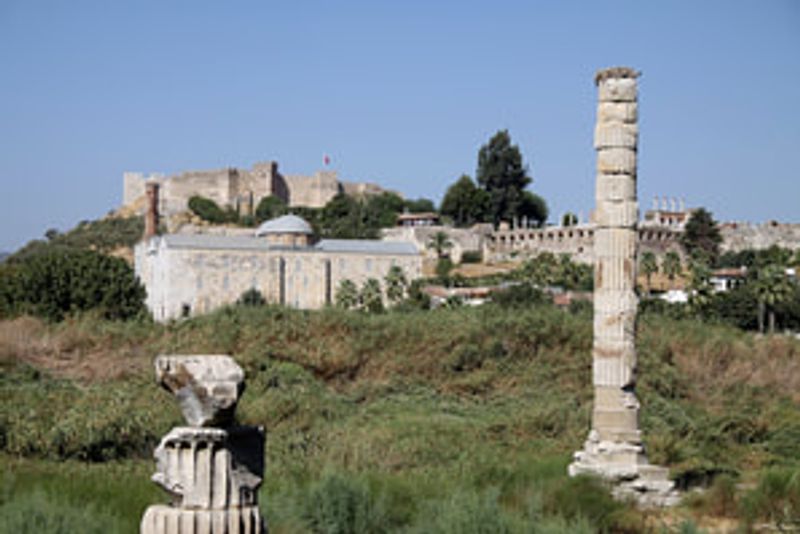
(614, 449)
(213, 468)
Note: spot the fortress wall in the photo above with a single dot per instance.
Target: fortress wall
(312, 191)
(215, 184)
(741, 236)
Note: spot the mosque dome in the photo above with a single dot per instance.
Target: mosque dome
(285, 224)
(289, 230)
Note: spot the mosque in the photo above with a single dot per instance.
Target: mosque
(192, 273)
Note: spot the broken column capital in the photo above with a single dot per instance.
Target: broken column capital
(207, 387)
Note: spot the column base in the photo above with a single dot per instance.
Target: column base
(163, 519)
(625, 467)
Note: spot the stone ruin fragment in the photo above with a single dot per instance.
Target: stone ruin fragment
(213, 468)
(614, 449)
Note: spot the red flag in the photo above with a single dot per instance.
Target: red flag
(326, 160)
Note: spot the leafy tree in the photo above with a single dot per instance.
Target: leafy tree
(347, 295)
(441, 243)
(649, 266)
(672, 266)
(569, 219)
(270, 207)
(59, 282)
(503, 176)
(343, 217)
(465, 202)
(533, 208)
(381, 210)
(371, 296)
(209, 211)
(395, 284)
(701, 236)
(773, 287)
(420, 205)
(251, 297)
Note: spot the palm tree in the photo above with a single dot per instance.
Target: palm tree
(347, 295)
(772, 287)
(649, 266)
(700, 289)
(371, 296)
(396, 284)
(672, 267)
(440, 242)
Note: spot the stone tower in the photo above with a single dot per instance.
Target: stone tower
(614, 449)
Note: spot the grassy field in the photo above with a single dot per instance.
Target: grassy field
(441, 421)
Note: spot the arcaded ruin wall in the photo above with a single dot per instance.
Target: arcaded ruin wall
(577, 241)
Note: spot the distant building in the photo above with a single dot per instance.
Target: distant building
(723, 280)
(418, 219)
(186, 274)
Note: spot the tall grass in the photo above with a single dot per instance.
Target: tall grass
(409, 417)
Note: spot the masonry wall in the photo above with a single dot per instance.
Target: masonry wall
(312, 191)
(577, 241)
(201, 280)
(742, 236)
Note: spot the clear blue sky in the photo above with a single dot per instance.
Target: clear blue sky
(400, 93)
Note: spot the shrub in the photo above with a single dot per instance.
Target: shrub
(776, 499)
(270, 207)
(342, 505)
(37, 513)
(59, 282)
(472, 256)
(464, 512)
(209, 211)
(518, 295)
(251, 297)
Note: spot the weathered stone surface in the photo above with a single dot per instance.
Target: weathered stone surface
(615, 161)
(617, 112)
(614, 449)
(211, 468)
(162, 519)
(617, 90)
(616, 135)
(207, 387)
(211, 474)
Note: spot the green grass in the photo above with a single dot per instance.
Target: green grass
(419, 421)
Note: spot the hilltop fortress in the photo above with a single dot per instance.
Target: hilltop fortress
(241, 189)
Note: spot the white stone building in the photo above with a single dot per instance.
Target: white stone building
(186, 274)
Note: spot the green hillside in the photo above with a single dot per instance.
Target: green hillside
(442, 421)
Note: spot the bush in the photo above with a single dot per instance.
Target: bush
(251, 297)
(517, 295)
(776, 499)
(60, 282)
(38, 513)
(465, 513)
(270, 207)
(209, 211)
(472, 256)
(341, 505)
